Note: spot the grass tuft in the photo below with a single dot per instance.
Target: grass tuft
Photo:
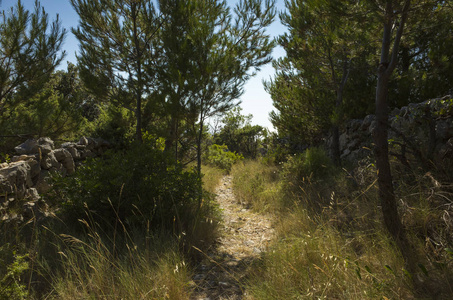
(331, 243)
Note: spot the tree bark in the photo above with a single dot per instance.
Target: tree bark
(386, 193)
(387, 64)
(335, 147)
(139, 88)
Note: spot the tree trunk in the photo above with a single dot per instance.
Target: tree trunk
(138, 116)
(387, 64)
(386, 193)
(200, 135)
(335, 146)
(139, 88)
(171, 143)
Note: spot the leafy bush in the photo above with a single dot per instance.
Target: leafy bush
(139, 186)
(112, 123)
(312, 165)
(12, 271)
(221, 157)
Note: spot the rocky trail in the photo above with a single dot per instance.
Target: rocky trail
(244, 235)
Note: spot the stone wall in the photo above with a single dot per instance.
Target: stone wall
(423, 129)
(26, 175)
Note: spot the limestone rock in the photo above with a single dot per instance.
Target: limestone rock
(23, 157)
(65, 158)
(42, 186)
(46, 145)
(32, 194)
(18, 176)
(83, 141)
(5, 186)
(74, 153)
(35, 168)
(30, 146)
(49, 161)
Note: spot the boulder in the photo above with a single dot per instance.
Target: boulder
(83, 141)
(5, 186)
(49, 161)
(32, 194)
(18, 176)
(23, 157)
(444, 129)
(65, 158)
(46, 141)
(61, 154)
(35, 168)
(74, 152)
(42, 185)
(46, 145)
(30, 146)
(92, 144)
(68, 145)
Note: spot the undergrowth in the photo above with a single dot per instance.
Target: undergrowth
(135, 265)
(91, 250)
(331, 243)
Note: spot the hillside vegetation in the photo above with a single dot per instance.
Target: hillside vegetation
(108, 168)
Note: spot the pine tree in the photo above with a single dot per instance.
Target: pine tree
(212, 57)
(117, 57)
(29, 53)
(324, 42)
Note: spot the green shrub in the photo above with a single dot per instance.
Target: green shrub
(311, 165)
(221, 157)
(140, 186)
(13, 267)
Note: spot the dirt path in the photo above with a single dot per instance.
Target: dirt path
(244, 235)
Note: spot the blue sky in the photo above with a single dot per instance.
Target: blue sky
(255, 100)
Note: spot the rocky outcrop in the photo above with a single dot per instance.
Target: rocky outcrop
(26, 176)
(424, 129)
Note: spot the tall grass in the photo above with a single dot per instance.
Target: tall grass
(211, 177)
(256, 184)
(314, 260)
(132, 264)
(57, 259)
(331, 243)
(136, 266)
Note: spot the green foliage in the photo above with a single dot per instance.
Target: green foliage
(278, 149)
(211, 177)
(13, 267)
(29, 54)
(326, 45)
(221, 157)
(139, 186)
(56, 111)
(116, 61)
(257, 184)
(310, 166)
(238, 134)
(114, 124)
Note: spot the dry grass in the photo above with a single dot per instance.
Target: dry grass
(257, 185)
(135, 266)
(313, 260)
(211, 177)
(331, 243)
